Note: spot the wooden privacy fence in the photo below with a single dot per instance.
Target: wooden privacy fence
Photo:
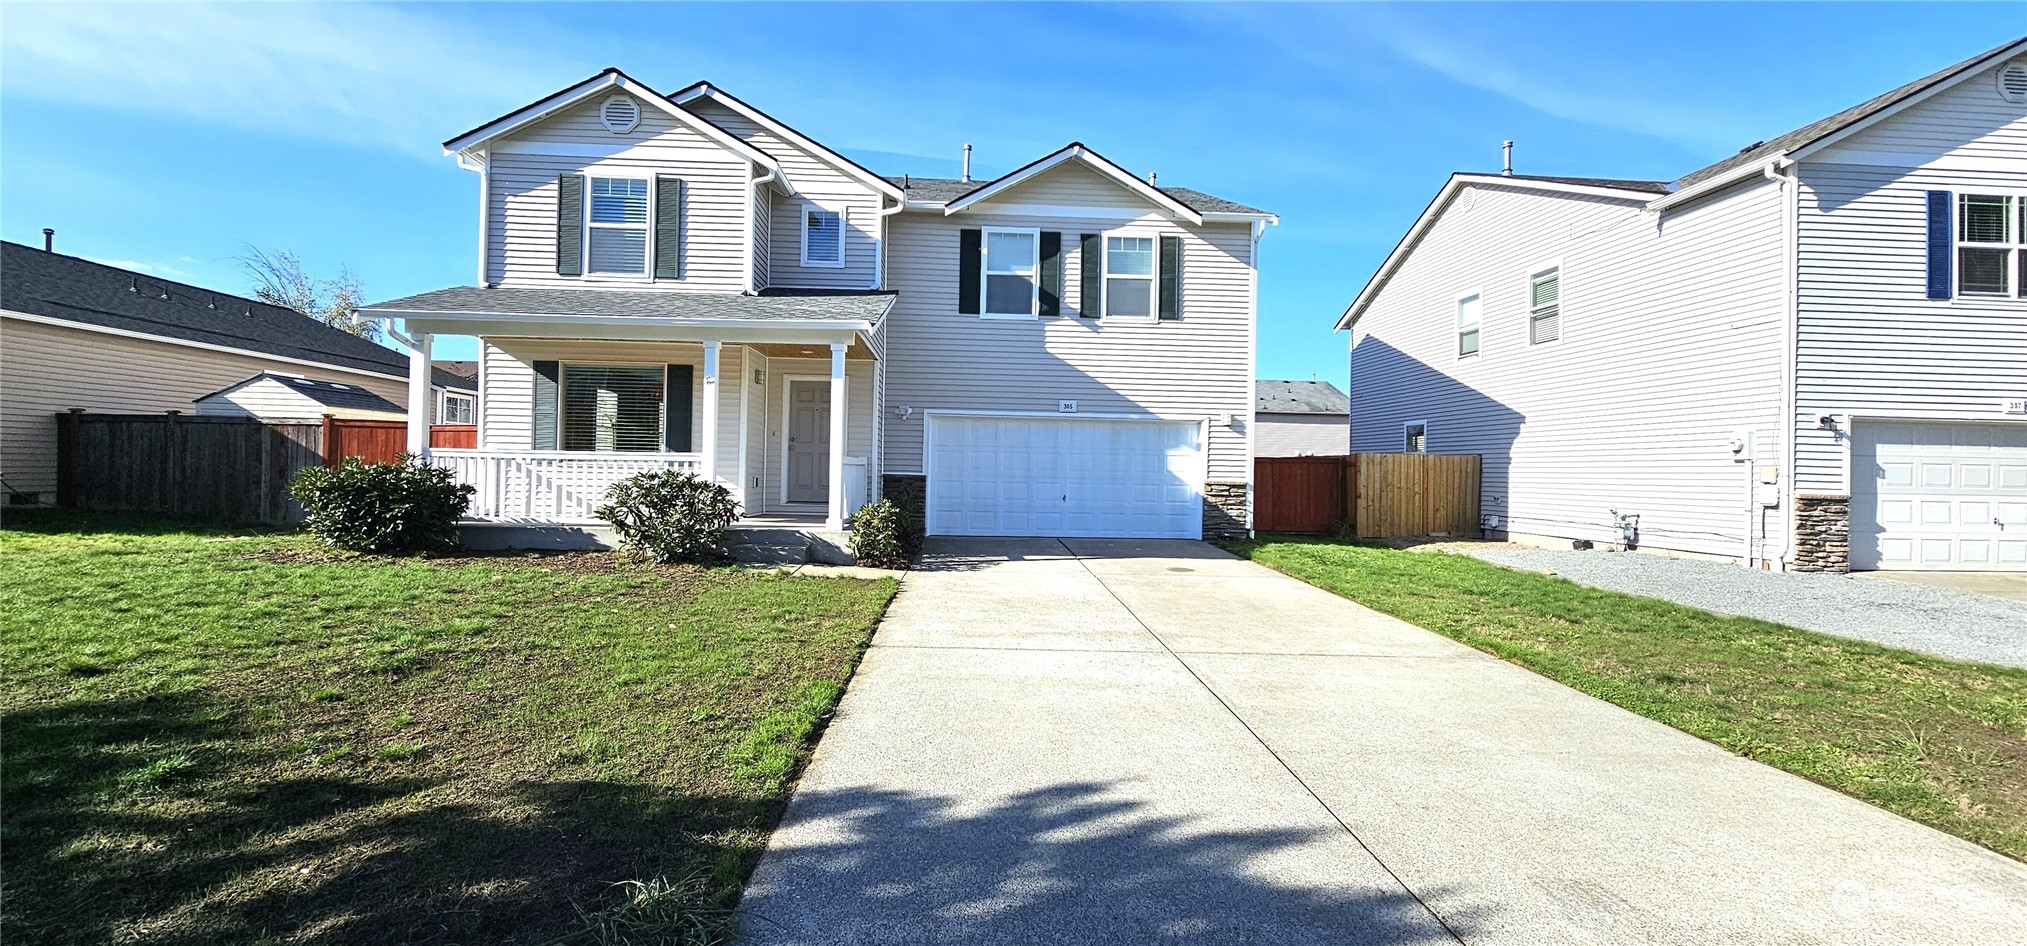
(1382, 495)
(454, 436)
(233, 468)
(375, 441)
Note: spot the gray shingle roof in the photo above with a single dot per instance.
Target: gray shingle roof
(1650, 187)
(78, 290)
(1822, 128)
(327, 393)
(1299, 397)
(937, 190)
(787, 305)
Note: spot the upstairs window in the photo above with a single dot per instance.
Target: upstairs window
(1467, 326)
(1990, 261)
(1544, 307)
(1129, 276)
(1012, 272)
(610, 408)
(618, 226)
(823, 237)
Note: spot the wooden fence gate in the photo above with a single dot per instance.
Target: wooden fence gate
(1382, 495)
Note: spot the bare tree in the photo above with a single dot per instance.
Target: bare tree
(278, 279)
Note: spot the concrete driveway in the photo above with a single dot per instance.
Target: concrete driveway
(1090, 741)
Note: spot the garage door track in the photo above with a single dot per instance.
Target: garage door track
(1099, 741)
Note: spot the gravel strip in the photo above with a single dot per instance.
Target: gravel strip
(1953, 624)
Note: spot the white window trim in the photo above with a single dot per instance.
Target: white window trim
(985, 273)
(2015, 284)
(563, 399)
(1105, 275)
(1425, 435)
(647, 273)
(1527, 283)
(844, 224)
(443, 407)
(1457, 331)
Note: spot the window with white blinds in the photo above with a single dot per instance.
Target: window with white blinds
(1544, 306)
(1990, 259)
(618, 225)
(612, 407)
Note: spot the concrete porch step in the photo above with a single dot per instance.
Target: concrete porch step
(776, 545)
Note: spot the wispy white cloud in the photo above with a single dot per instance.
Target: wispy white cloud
(362, 75)
(163, 270)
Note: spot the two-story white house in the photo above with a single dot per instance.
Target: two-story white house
(685, 281)
(1811, 355)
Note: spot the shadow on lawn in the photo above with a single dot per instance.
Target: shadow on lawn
(1071, 863)
(233, 845)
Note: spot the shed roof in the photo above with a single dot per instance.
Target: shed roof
(327, 393)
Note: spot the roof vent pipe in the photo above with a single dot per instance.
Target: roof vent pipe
(1507, 149)
(48, 239)
(967, 163)
(1150, 178)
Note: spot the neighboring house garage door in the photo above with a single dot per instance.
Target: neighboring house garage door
(1067, 476)
(1939, 496)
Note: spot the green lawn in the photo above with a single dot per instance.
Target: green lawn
(1942, 742)
(220, 737)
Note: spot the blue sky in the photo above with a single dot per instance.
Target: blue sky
(167, 138)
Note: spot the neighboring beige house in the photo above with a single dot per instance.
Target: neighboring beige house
(1301, 419)
(79, 334)
(276, 396)
(685, 282)
(1811, 355)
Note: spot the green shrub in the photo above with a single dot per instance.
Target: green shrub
(883, 535)
(382, 507)
(670, 515)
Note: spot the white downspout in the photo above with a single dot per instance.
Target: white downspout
(751, 193)
(1791, 202)
(471, 163)
(880, 241)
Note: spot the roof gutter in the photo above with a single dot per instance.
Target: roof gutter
(855, 325)
(1705, 188)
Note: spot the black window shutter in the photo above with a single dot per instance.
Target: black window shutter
(546, 373)
(1091, 273)
(1941, 245)
(1052, 273)
(1171, 278)
(570, 225)
(676, 410)
(668, 227)
(968, 262)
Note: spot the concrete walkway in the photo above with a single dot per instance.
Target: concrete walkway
(1096, 741)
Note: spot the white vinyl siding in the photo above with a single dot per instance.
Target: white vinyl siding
(1674, 345)
(1200, 367)
(51, 368)
(821, 183)
(1301, 435)
(521, 212)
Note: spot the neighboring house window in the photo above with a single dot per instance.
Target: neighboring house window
(1467, 325)
(618, 225)
(457, 408)
(612, 407)
(1012, 268)
(1129, 276)
(1415, 437)
(823, 237)
(1989, 236)
(1544, 313)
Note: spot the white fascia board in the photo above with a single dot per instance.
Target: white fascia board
(186, 343)
(1969, 72)
(1451, 188)
(837, 161)
(1710, 186)
(1222, 216)
(1076, 152)
(644, 329)
(418, 319)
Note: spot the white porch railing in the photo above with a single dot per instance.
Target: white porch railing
(549, 485)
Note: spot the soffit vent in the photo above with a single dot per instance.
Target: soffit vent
(2013, 82)
(620, 114)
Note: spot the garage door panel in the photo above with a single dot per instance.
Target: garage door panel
(1065, 476)
(1939, 496)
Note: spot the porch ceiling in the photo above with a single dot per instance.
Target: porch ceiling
(854, 353)
(784, 308)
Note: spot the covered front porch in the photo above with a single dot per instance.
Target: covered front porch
(773, 396)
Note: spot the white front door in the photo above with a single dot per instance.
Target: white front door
(1065, 476)
(809, 441)
(1939, 496)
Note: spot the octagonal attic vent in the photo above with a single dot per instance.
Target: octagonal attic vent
(620, 114)
(2013, 82)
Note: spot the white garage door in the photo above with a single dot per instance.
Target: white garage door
(1066, 476)
(1939, 496)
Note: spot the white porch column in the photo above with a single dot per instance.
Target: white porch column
(710, 426)
(420, 410)
(835, 520)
